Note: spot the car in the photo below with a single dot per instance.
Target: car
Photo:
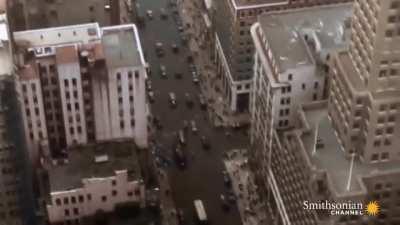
(193, 126)
(227, 179)
(231, 196)
(202, 101)
(157, 122)
(188, 99)
(195, 80)
(148, 85)
(180, 28)
(163, 71)
(205, 143)
(180, 216)
(224, 202)
(178, 75)
(159, 49)
(151, 96)
(181, 137)
(180, 157)
(163, 13)
(175, 48)
(149, 14)
(172, 99)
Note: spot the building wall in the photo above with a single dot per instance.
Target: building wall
(70, 83)
(96, 194)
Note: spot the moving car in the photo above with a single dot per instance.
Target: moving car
(201, 215)
(189, 101)
(205, 143)
(227, 179)
(159, 49)
(202, 101)
(224, 202)
(175, 48)
(194, 127)
(195, 79)
(172, 99)
(151, 96)
(163, 71)
(180, 157)
(163, 13)
(181, 137)
(149, 14)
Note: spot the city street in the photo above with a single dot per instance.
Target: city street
(202, 178)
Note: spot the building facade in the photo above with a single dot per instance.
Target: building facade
(234, 48)
(365, 93)
(81, 84)
(95, 179)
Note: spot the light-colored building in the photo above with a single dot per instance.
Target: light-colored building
(307, 164)
(365, 87)
(234, 47)
(93, 179)
(81, 84)
(291, 57)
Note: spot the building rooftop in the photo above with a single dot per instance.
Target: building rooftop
(83, 33)
(6, 62)
(66, 54)
(332, 159)
(96, 161)
(285, 31)
(122, 47)
(258, 3)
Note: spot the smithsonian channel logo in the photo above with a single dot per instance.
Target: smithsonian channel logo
(349, 208)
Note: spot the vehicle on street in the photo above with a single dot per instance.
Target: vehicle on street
(181, 137)
(205, 142)
(189, 101)
(172, 99)
(195, 78)
(231, 196)
(178, 75)
(151, 96)
(157, 122)
(148, 85)
(180, 28)
(175, 48)
(159, 49)
(201, 215)
(149, 14)
(181, 217)
(202, 101)
(163, 14)
(180, 157)
(194, 127)
(224, 202)
(227, 179)
(163, 71)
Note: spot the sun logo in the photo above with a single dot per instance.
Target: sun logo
(372, 208)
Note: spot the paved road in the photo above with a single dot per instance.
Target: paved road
(202, 179)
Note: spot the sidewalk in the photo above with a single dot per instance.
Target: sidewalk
(219, 111)
(251, 208)
(167, 205)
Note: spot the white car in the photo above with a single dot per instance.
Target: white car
(172, 99)
(163, 71)
(149, 14)
(194, 127)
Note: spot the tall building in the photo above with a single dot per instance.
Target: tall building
(234, 48)
(340, 150)
(365, 89)
(16, 199)
(53, 13)
(81, 84)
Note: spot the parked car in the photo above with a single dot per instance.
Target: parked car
(195, 79)
(157, 122)
(148, 85)
(205, 142)
(181, 137)
(227, 179)
(151, 96)
(224, 202)
(172, 99)
(194, 127)
(163, 71)
(189, 101)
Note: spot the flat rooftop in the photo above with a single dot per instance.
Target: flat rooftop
(259, 3)
(82, 164)
(285, 30)
(331, 158)
(6, 61)
(121, 47)
(83, 33)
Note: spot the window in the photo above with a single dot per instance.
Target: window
(74, 81)
(58, 201)
(392, 118)
(89, 197)
(315, 97)
(137, 191)
(66, 201)
(387, 142)
(114, 192)
(113, 182)
(66, 212)
(118, 76)
(389, 130)
(374, 157)
(73, 200)
(130, 193)
(66, 83)
(103, 198)
(80, 198)
(290, 76)
(130, 74)
(385, 155)
(136, 74)
(303, 86)
(316, 85)
(76, 211)
(122, 124)
(389, 33)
